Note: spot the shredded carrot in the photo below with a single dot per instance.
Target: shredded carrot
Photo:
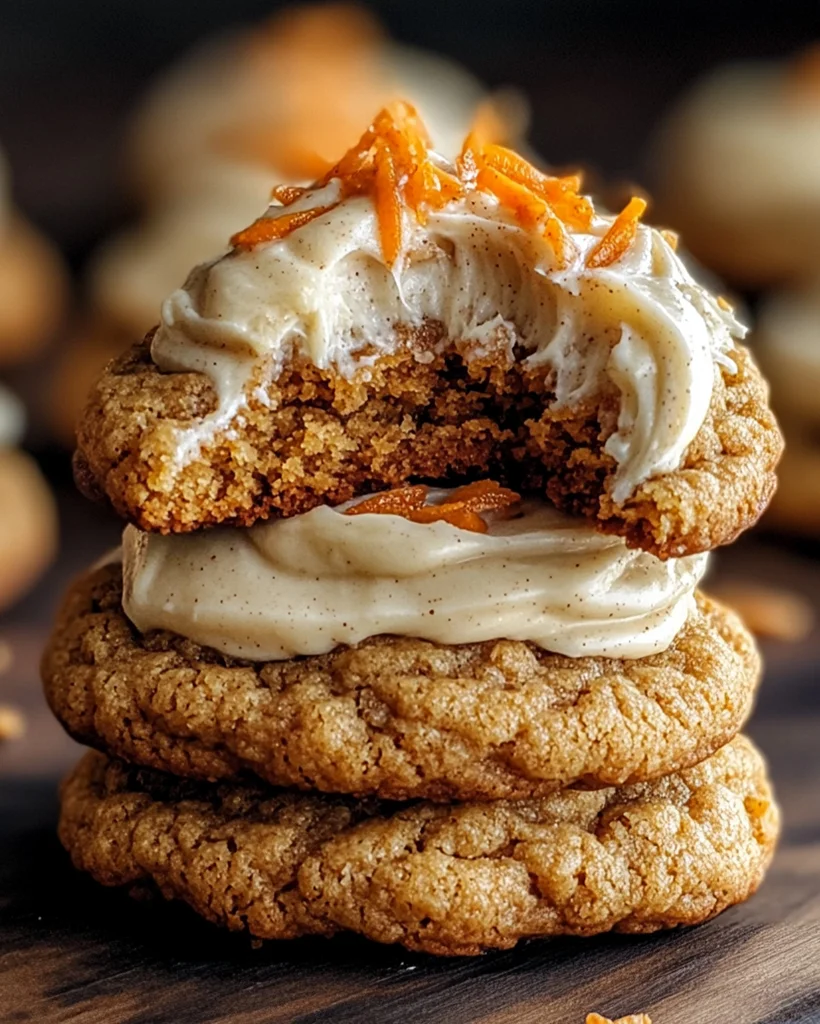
(632, 1018)
(454, 513)
(485, 495)
(393, 163)
(287, 194)
(388, 203)
(269, 229)
(620, 235)
(527, 208)
(463, 508)
(397, 502)
(559, 193)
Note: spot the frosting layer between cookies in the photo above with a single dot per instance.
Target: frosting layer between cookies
(639, 330)
(307, 584)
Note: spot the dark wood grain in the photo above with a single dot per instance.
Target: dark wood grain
(72, 952)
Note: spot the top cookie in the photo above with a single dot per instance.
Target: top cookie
(404, 319)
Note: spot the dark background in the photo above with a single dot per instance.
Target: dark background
(598, 74)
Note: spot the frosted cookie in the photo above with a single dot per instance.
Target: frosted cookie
(735, 170)
(28, 519)
(406, 319)
(448, 880)
(365, 652)
(32, 283)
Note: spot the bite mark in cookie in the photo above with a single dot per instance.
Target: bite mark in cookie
(405, 320)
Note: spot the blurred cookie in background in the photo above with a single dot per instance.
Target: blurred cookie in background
(286, 97)
(787, 342)
(734, 169)
(129, 277)
(33, 285)
(28, 517)
(270, 105)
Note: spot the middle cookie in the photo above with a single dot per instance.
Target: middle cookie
(355, 650)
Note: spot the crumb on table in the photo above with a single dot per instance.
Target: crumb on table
(633, 1018)
(12, 723)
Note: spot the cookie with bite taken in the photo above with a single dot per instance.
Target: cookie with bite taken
(408, 320)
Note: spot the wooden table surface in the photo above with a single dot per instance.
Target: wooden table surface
(70, 951)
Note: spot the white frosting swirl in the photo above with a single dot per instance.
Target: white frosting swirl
(304, 585)
(641, 326)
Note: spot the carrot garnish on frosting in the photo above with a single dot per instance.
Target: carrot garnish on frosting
(620, 236)
(393, 162)
(463, 508)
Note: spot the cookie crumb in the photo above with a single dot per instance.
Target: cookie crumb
(769, 611)
(12, 723)
(633, 1018)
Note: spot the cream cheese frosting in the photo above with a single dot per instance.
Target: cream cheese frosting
(304, 585)
(641, 326)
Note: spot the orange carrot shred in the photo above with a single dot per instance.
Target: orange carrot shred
(619, 237)
(454, 513)
(463, 509)
(527, 208)
(392, 162)
(485, 496)
(388, 204)
(560, 193)
(397, 502)
(287, 194)
(270, 229)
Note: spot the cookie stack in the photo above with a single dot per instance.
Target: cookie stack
(405, 635)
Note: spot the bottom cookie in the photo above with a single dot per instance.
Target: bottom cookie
(445, 879)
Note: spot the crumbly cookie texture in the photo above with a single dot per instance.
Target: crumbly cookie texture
(318, 438)
(444, 879)
(399, 717)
